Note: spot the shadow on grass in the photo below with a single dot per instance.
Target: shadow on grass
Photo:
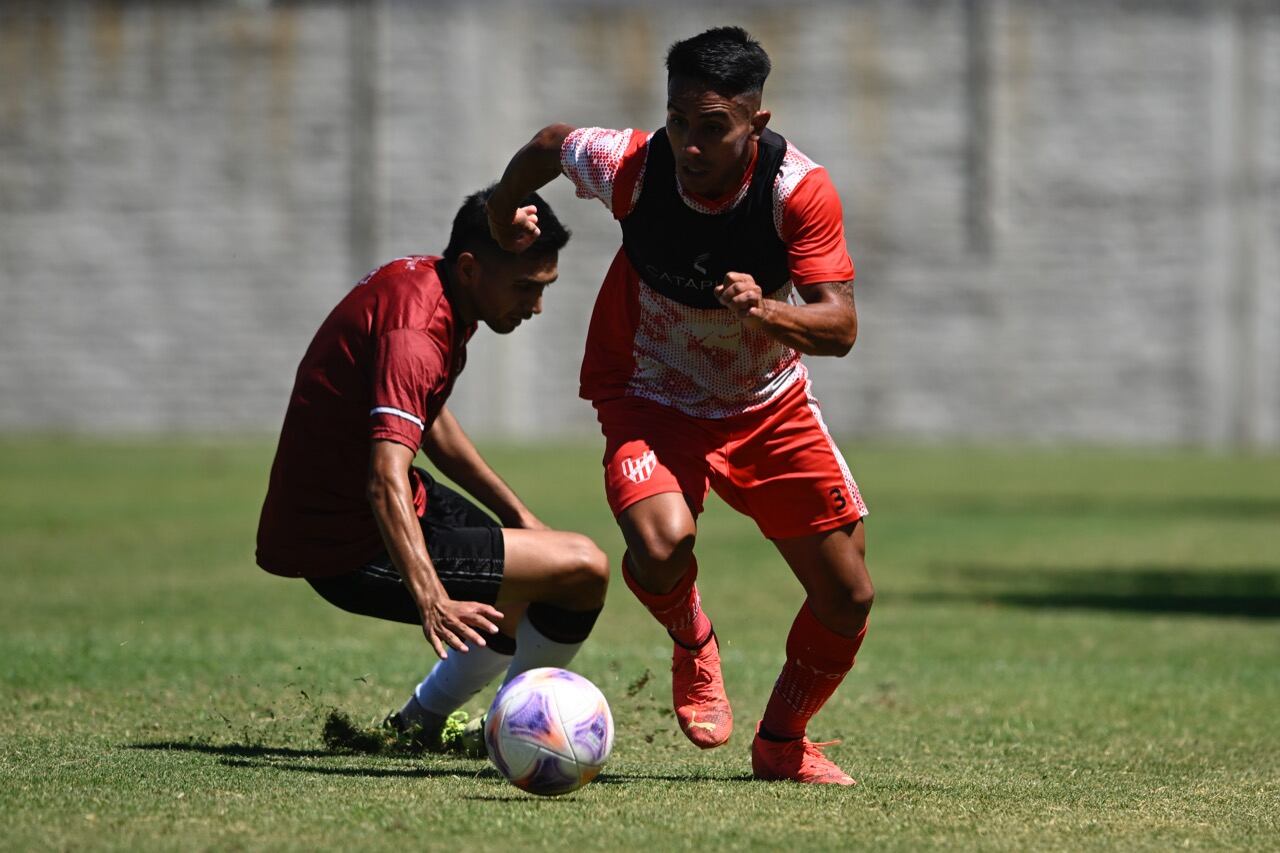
(607, 778)
(517, 798)
(416, 772)
(1254, 595)
(263, 757)
(628, 778)
(233, 749)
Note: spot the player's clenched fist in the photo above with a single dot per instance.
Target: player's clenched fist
(740, 294)
(517, 234)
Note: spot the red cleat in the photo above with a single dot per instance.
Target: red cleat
(799, 760)
(697, 692)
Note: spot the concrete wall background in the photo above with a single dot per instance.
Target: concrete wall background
(1065, 216)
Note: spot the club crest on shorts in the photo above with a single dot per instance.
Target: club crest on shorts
(640, 468)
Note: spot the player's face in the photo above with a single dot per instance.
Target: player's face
(509, 289)
(712, 136)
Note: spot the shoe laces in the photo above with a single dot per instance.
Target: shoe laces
(805, 746)
(815, 749)
(817, 762)
(703, 675)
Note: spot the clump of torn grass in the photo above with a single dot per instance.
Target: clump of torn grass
(343, 734)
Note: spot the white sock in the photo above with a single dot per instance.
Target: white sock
(453, 681)
(533, 650)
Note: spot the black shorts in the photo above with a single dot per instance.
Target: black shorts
(465, 545)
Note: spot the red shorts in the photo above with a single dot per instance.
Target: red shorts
(777, 464)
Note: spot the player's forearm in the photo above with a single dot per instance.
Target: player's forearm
(480, 481)
(451, 450)
(813, 329)
(533, 166)
(391, 499)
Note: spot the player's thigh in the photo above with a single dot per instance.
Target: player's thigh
(651, 449)
(542, 564)
(832, 563)
(832, 568)
(788, 474)
(470, 561)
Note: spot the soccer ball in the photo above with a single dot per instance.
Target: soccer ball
(549, 731)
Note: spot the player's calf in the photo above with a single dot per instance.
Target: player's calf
(697, 685)
(568, 577)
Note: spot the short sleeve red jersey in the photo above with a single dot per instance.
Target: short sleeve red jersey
(702, 362)
(380, 367)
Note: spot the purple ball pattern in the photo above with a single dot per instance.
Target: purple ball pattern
(533, 718)
(592, 738)
(551, 775)
(549, 731)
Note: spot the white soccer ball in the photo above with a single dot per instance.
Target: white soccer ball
(549, 731)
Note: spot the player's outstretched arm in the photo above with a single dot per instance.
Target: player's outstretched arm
(450, 449)
(535, 165)
(827, 324)
(445, 622)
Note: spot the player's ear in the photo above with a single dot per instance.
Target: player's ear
(758, 122)
(467, 269)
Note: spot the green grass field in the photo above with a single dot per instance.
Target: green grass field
(1071, 649)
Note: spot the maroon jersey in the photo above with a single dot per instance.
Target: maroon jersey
(380, 367)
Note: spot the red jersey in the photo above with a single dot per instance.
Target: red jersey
(702, 361)
(380, 367)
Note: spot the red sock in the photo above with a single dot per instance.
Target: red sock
(817, 661)
(679, 611)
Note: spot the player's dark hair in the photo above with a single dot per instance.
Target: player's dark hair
(471, 229)
(726, 58)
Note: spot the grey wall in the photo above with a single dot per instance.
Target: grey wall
(1065, 216)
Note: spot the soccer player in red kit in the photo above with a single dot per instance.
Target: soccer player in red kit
(347, 510)
(733, 263)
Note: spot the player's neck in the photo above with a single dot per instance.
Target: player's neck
(458, 295)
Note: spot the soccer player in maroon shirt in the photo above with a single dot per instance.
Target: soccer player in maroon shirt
(347, 510)
(733, 263)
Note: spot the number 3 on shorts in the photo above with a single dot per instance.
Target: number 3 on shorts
(838, 499)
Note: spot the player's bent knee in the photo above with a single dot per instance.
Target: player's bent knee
(858, 602)
(595, 566)
(860, 592)
(664, 546)
(845, 610)
(861, 599)
(587, 566)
